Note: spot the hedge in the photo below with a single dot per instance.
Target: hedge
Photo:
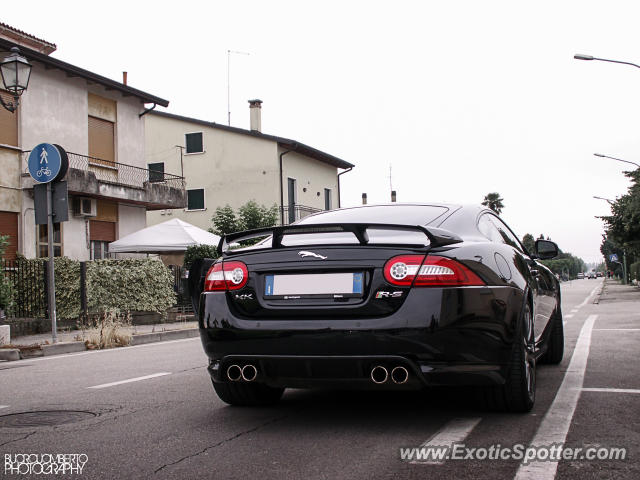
(126, 285)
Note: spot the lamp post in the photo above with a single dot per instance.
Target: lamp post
(624, 251)
(15, 70)
(579, 56)
(617, 159)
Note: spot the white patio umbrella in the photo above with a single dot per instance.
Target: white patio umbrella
(171, 236)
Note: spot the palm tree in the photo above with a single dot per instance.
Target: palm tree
(494, 202)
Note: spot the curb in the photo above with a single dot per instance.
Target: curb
(164, 336)
(9, 354)
(74, 347)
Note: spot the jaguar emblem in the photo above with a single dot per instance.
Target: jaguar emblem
(305, 254)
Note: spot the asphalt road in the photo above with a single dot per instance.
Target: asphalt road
(171, 425)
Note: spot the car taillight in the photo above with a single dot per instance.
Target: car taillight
(226, 276)
(432, 271)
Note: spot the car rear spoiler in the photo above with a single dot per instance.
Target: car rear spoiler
(437, 236)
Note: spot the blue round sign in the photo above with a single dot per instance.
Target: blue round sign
(46, 162)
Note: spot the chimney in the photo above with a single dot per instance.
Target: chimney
(364, 198)
(124, 78)
(393, 196)
(255, 115)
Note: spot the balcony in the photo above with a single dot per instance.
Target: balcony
(94, 177)
(295, 212)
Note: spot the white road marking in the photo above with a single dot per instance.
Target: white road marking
(575, 310)
(611, 390)
(129, 380)
(454, 431)
(4, 406)
(593, 292)
(617, 329)
(108, 350)
(556, 422)
(568, 316)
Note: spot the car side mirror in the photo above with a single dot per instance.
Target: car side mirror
(546, 249)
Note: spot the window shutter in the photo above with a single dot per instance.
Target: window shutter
(101, 141)
(9, 226)
(102, 231)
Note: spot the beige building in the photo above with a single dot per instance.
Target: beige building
(100, 123)
(228, 165)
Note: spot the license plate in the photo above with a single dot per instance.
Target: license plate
(315, 285)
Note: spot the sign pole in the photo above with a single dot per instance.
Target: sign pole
(51, 273)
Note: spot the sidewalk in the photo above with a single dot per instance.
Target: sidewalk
(74, 341)
(615, 291)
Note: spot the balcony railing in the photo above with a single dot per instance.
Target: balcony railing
(293, 213)
(122, 174)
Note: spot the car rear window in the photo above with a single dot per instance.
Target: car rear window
(396, 214)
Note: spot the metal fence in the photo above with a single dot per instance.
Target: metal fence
(293, 213)
(28, 280)
(122, 174)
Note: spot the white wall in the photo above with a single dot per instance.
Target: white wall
(312, 175)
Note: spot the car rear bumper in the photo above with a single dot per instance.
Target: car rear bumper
(454, 336)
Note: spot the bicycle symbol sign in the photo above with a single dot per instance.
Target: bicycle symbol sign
(47, 162)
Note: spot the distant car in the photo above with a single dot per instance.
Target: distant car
(580, 275)
(591, 275)
(599, 274)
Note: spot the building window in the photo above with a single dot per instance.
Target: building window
(42, 240)
(8, 123)
(327, 199)
(102, 142)
(291, 198)
(195, 199)
(193, 141)
(156, 172)
(99, 250)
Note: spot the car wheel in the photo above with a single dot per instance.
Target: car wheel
(555, 349)
(518, 393)
(247, 394)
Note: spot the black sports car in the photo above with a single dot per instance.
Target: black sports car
(400, 296)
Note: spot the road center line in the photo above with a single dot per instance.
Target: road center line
(4, 406)
(454, 431)
(556, 422)
(575, 310)
(611, 390)
(568, 316)
(129, 380)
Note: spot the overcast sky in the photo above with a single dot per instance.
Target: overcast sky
(460, 98)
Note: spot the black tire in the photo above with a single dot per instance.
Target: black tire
(518, 393)
(247, 394)
(555, 350)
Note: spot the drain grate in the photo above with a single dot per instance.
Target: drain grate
(44, 419)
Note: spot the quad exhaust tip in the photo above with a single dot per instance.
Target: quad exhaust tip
(379, 374)
(399, 375)
(249, 373)
(234, 373)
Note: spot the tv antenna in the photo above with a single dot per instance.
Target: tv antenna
(229, 52)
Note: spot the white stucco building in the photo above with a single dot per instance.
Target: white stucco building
(101, 124)
(228, 165)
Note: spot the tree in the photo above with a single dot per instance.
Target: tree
(494, 202)
(252, 216)
(225, 221)
(529, 243)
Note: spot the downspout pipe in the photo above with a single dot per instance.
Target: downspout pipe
(341, 173)
(282, 188)
(147, 110)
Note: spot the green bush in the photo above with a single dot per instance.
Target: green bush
(142, 285)
(199, 251)
(634, 271)
(6, 288)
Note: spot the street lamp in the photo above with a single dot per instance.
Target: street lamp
(579, 56)
(15, 70)
(618, 159)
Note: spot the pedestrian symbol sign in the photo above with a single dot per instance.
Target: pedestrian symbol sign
(47, 163)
